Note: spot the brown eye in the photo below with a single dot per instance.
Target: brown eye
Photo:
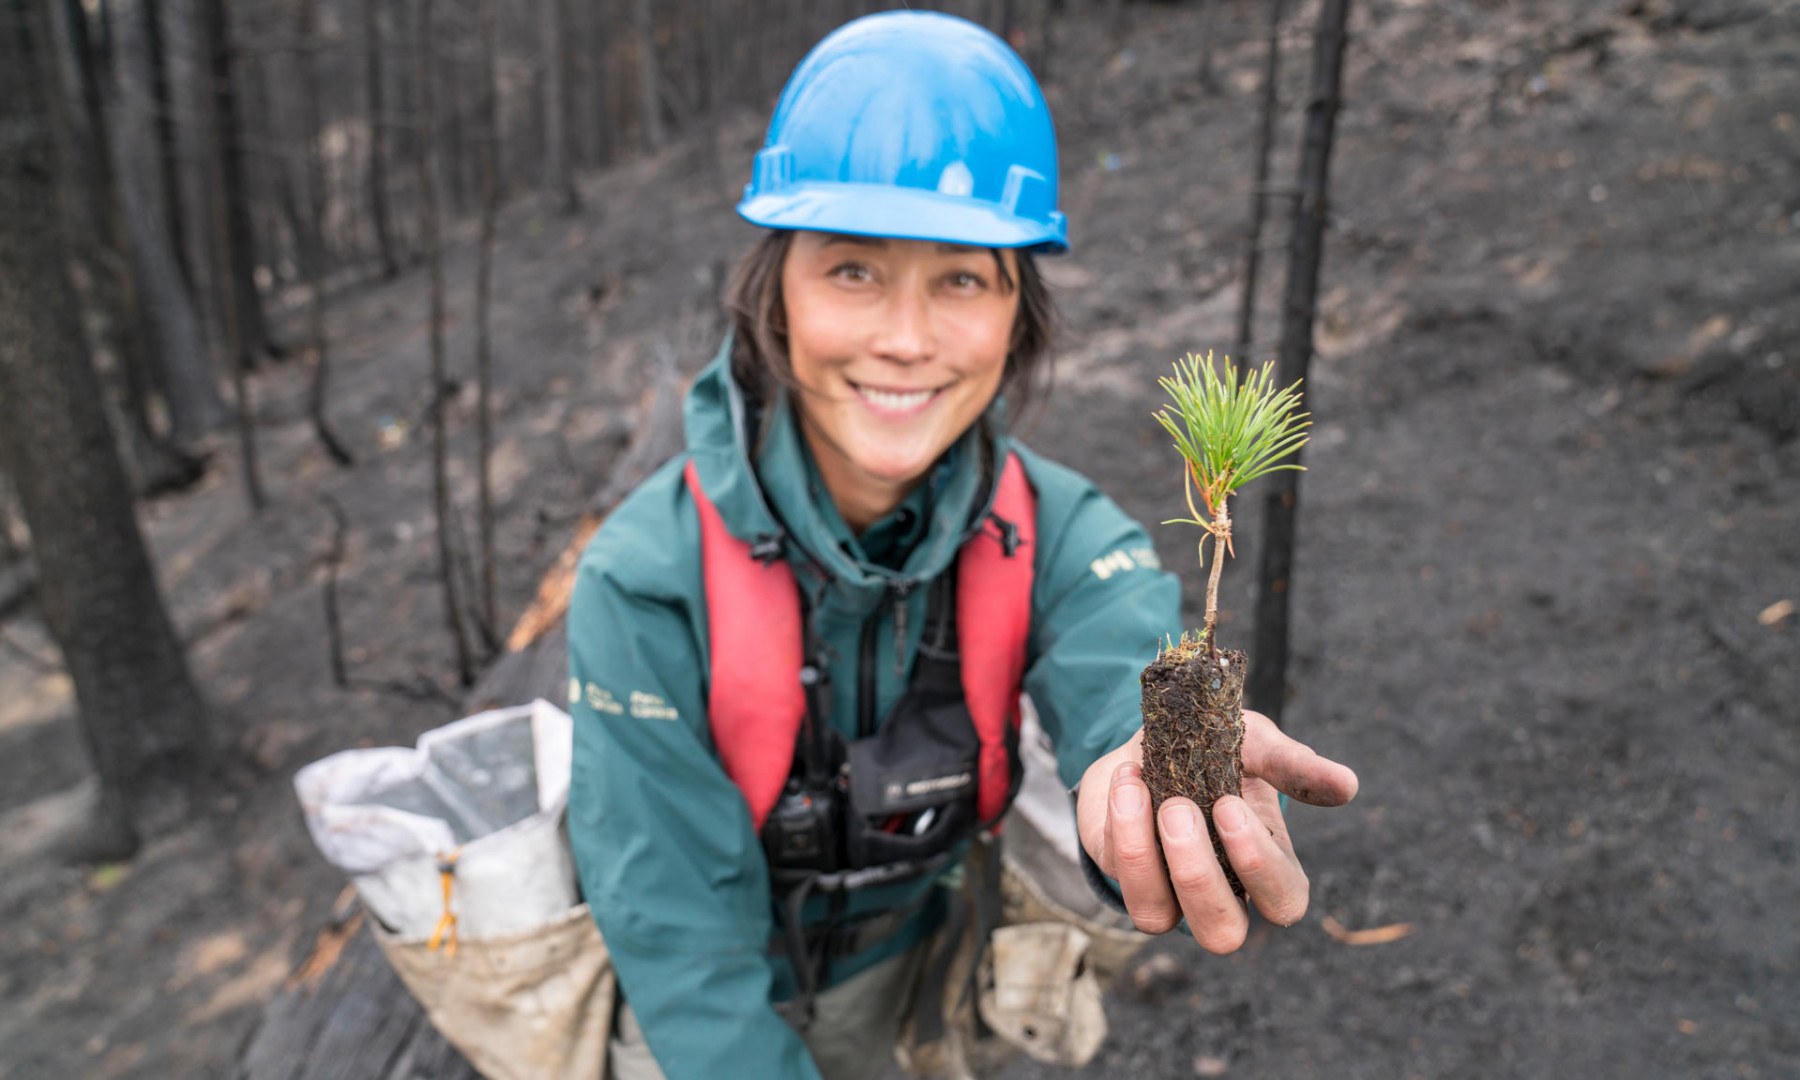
(851, 271)
(964, 279)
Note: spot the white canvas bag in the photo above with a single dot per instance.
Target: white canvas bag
(457, 848)
(483, 796)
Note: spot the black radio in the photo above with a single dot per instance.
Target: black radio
(801, 832)
(904, 793)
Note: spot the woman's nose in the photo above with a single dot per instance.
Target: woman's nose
(904, 335)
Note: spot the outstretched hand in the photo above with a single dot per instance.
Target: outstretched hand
(1183, 877)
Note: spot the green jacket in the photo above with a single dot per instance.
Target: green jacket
(662, 838)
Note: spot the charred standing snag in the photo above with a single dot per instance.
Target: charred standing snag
(1229, 433)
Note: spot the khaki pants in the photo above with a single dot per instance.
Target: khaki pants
(851, 1037)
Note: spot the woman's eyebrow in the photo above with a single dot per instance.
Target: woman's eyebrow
(859, 241)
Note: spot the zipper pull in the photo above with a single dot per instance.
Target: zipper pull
(767, 548)
(1009, 534)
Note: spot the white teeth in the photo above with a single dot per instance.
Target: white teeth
(888, 400)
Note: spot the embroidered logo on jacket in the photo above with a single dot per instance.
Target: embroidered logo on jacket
(1137, 558)
(650, 707)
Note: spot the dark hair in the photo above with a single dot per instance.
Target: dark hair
(759, 356)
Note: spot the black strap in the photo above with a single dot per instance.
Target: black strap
(811, 951)
(836, 940)
(939, 640)
(806, 975)
(1096, 880)
(866, 878)
(812, 749)
(928, 1013)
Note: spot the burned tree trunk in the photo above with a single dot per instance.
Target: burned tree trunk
(140, 713)
(448, 110)
(334, 565)
(425, 147)
(1042, 39)
(313, 253)
(648, 77)
(378, 146)
(152, 463)
(168, 155)
(484, 294)
(182, 368)
(1259, 190)
(602, 127)
(284, 230)
(181, 371)
(1267, 688)
(1209, 27)
(558, 178)
(236, 352)
(231, 191)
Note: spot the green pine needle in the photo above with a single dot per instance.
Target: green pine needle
(1230, 432)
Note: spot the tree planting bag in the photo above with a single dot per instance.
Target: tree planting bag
(457, 848)
(484, 795)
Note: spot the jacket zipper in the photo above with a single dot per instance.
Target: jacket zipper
(895, 597)
(900, 590)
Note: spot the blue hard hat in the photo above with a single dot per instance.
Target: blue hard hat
(912, 124)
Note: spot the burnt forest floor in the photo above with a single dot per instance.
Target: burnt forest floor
(1554, 482)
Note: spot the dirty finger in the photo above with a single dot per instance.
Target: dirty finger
(1292, 766)
(1137, 863)
(1271, 875)
(1214, 916)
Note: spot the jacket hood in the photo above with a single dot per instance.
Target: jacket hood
(774, 493)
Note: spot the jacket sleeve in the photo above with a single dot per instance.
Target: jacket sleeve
(662, 838)
(1101, 603)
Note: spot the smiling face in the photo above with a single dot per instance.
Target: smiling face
(897, 347)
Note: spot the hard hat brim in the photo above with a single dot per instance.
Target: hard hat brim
(901, 213)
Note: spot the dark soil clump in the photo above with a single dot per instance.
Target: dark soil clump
(1194, 731)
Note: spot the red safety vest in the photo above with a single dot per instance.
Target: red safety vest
(754, 637)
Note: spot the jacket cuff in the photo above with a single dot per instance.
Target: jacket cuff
(1102, 886)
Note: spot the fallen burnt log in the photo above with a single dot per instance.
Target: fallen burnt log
(344, 1015)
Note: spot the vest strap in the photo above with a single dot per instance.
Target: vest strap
(755, 702)
(755, 641)
(993, 625)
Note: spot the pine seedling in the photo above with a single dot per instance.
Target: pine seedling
(1229, 433)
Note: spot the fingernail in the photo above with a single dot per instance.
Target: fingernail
(1179, 822)
(1228, 816)
(1129, 799)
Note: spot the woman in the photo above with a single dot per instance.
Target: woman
(794, 651)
